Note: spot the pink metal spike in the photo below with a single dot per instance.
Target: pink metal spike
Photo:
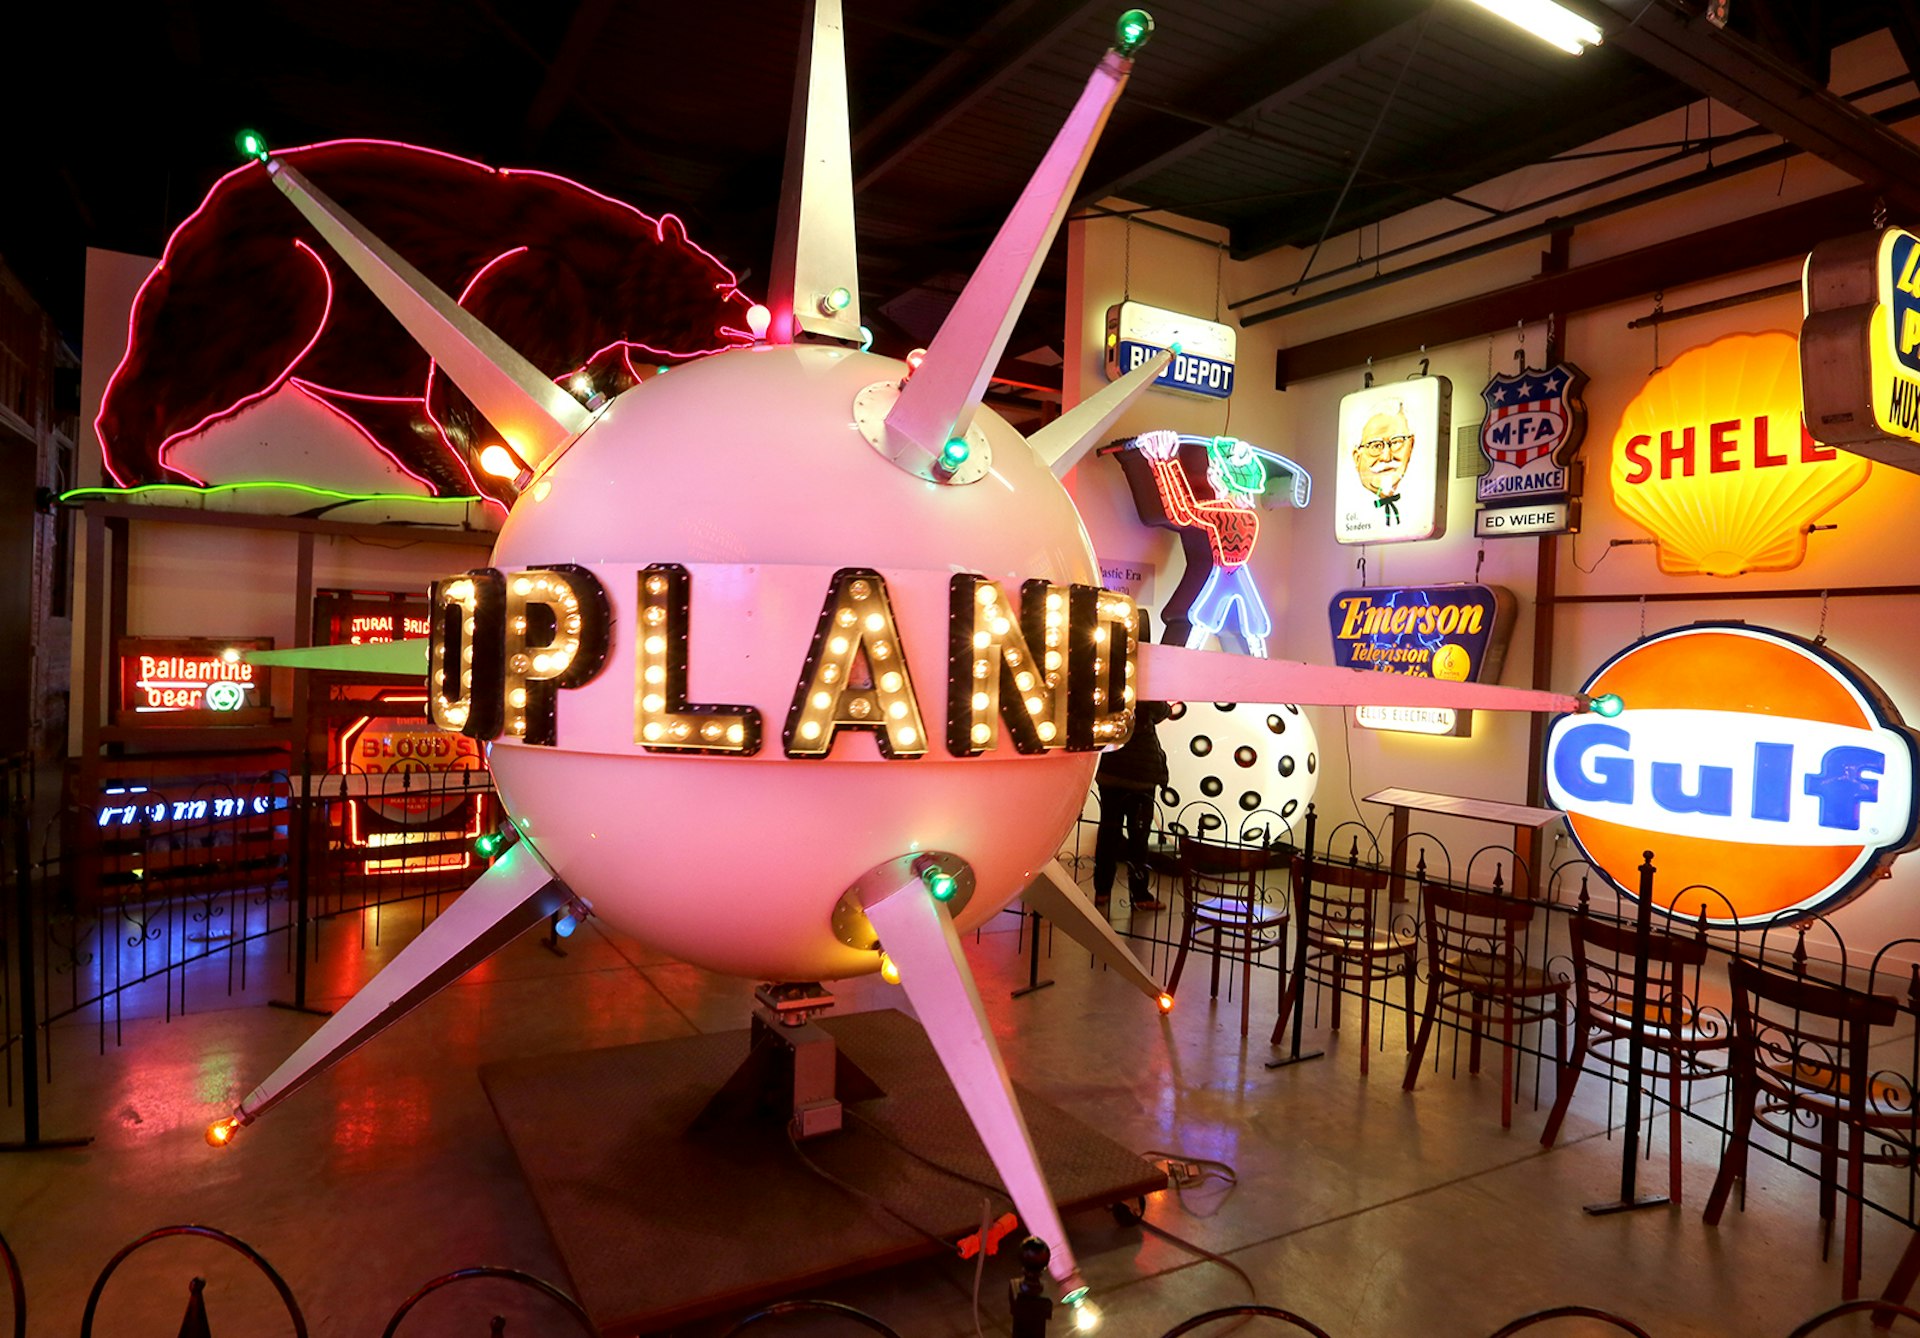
(1174, 673)
(1061, 444)
(939, 402)
(813, 248)
(535, 416)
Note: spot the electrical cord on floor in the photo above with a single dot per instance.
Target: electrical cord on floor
(1208, 1168)
(986, 1202)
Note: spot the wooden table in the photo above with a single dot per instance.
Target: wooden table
(1521, 817)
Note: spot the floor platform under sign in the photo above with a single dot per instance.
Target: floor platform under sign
(659, 1226)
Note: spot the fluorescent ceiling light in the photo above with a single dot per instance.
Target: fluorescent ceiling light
(1548, 21)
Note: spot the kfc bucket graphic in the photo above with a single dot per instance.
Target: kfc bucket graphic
(1747, 760)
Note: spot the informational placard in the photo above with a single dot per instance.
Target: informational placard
(1390, 480)
(1711, 459)
(1203, 350)
(1749, 761)
(184, 682)
(1860, 345)
(1533, 429)
(362, 618)
(1456, 632)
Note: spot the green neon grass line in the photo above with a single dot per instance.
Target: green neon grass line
(72, 493)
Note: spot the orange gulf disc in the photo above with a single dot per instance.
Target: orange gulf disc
(1706, 698)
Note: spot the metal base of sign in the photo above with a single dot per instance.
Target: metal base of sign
(1286, 1060)
(47, 1144)
(1624, 1205)
(292, 1007)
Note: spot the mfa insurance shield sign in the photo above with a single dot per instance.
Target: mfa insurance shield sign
(1747, 760)
(1202, 363)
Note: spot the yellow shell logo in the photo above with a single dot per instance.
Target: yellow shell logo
(1711, 459)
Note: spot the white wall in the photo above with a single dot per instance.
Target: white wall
(1300, 566)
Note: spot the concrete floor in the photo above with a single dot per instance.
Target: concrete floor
(1366, 1209)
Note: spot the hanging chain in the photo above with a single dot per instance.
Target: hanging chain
(1479, 560)
(1549, 355)
(1520, 353)
(1659, 308)
(1361, 564)
(1219, 269)
(1126, 262)
(1820, 635)
(1643, 615)
(1880, 212)
(1489, 359)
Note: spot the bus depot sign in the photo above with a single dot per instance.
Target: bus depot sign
(1390, 479)
(1456, 632)
(1202, 350)
(1711, 459)
(1860, 345)
(1748, 761)
(1534, 427)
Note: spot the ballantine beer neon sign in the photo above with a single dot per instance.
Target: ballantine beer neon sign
(1748, 761)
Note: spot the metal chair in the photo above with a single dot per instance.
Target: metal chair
(1222, 894)
(1674, 1027)
(1801, 1062)
(1339, 907)
(1477, 967)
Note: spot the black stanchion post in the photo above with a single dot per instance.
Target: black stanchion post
(1033, 959)
(300, 832)
(1302, 905)
(1028, 1300)
(1636, 1058)
(19, 828)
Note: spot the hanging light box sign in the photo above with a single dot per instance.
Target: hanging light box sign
(1456, 632)
(1748, 761)
(186, 682)
(1390, 482)
(1534, 428)
(364, 618)
(1711, 459)
(1860, 345)
(1203, 350)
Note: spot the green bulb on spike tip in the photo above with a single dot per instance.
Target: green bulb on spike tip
(1132, 31)
(1608, 704)
(252, 144)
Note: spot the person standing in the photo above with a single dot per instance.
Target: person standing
(1128, 778)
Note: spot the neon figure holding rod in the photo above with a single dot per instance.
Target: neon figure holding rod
(1217, 530)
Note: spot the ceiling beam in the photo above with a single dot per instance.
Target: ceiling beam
(1903, 21)
(1020, 31)
(1307, 57)
(1623, 102)
(1742, 75)
(565, 70)
(1743, 244)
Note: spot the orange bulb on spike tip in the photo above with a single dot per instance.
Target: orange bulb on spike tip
(1166, 1003)
(221, 1132)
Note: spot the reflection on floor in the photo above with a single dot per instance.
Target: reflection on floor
(1366, 1209)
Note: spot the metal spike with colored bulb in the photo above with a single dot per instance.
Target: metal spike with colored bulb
(252, 144)
(221, 1132)
(1608, 704)
(1133, 31)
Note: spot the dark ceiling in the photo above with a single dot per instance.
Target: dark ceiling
(1259, 115)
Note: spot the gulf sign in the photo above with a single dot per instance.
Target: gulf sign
(1202, 350)
(1748, 761)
